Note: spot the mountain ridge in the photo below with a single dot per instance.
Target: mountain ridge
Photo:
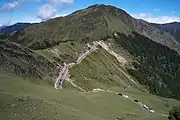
(90, 24)
(172, 28)
(15, 27)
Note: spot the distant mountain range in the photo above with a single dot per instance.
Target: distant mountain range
(172, 28)
(15, 27)
(2, 26)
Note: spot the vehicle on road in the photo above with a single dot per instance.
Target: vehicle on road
(120, 94)
(151, 111)
(136, 101)
(145, 106)
(126, 96)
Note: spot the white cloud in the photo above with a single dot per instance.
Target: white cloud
(163, 19)
(142, 14)
(156, 19)
(28, 20)
(46, 12)
(56, 1)
(61, 4)
(10, 5)
(61, 1)
(16, 3)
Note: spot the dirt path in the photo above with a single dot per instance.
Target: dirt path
(75, 85)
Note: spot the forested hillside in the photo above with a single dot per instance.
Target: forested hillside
(157, 66)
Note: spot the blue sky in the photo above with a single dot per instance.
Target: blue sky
(158, 11)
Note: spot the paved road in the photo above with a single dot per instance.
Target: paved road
(61, 74)
(141, 105)
(65, 71)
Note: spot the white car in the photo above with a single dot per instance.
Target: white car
(145, 106)
(151, 111)
(126, 96)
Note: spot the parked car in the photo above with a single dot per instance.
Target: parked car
(120, 94)
(136, 101)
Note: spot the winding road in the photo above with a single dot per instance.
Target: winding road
(141, 105)
(65, 70)
(63, 75)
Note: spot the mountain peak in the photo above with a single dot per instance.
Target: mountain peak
(106, 8)
(92, 23)
(101, 6)
(102, 10)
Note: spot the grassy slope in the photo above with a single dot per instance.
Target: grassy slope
(32, 99)
(24, 61)
(114, 24)
(100, 69)
(87, 75)
(65, 51)
(88, 24)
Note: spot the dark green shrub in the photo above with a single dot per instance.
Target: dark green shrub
(174, 114)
